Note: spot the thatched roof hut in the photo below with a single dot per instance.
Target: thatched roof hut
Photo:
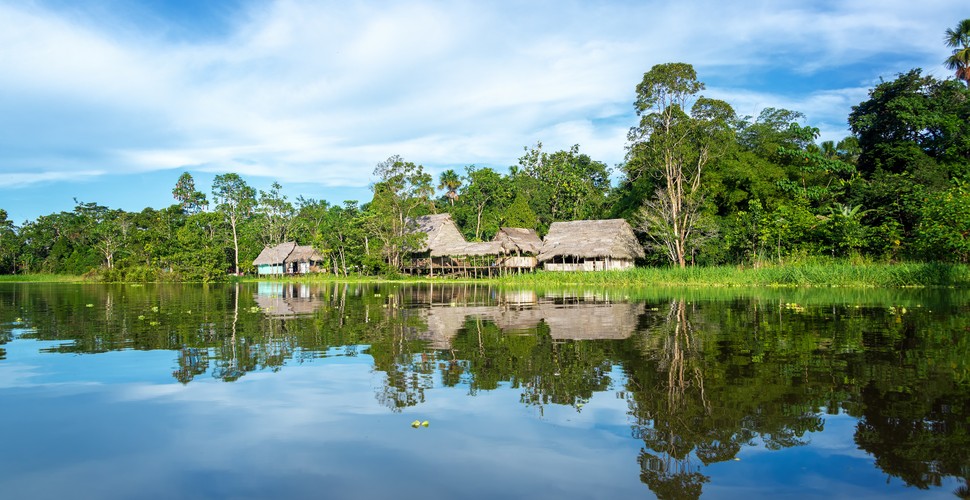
(590, 245)
(517, 240)
(286, 258)
(274, 255)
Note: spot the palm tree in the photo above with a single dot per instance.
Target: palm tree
(959, 40)
(450, 181)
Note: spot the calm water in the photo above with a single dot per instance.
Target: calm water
(310, 391)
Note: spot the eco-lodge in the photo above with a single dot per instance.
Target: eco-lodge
(588, 245)
(287, 258)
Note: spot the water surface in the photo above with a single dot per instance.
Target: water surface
(296, 391)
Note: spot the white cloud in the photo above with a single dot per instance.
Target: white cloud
(320, 92)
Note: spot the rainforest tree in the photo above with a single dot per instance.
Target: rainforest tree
(678, 135)
(235, 200)
(402, 192)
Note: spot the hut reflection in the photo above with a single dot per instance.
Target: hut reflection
(285, 300)
(566, 316)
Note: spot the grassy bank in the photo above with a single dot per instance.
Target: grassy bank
(842, 274)
(41, 278)
(826, 274)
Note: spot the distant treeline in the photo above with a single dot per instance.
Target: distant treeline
(702, 186)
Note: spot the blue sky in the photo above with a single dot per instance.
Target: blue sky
(110, 101)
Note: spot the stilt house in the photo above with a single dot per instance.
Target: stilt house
(445, 250)
(519, 247)
(590, 245)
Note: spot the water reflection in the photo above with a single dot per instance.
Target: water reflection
(703, 380)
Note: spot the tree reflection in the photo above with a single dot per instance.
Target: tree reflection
(915, 420)
(703, 379)
(407, 369)
(701, 390)
(671, 425)
(192, 362)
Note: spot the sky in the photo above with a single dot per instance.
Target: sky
(110, 101)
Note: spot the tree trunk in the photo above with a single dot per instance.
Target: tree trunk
(235, 246)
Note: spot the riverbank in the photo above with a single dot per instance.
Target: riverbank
(826, 274)
(816, 274)
(843, 274)
(41, 278)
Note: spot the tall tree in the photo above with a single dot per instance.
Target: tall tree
(235, 200)
(678, 134)
(959, 40)
(341, 234)
(102, 228)
(403, 191)
(485, 193)
(8, 244)
(190, 199)
(912, 123)
(450, 182)
(277, 214)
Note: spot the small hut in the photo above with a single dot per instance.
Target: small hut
(519, 246)
(287, 258)
(590, 245)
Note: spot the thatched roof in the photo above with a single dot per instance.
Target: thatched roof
(517, 239)
(591, 239)
(444, 239)
(482, 248)
(286, 253)
(274, 255)
(303, 253)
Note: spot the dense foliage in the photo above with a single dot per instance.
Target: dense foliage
(701, 184)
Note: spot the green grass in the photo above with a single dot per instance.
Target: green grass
(823, 273)
(820, 274)
(40, 278)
